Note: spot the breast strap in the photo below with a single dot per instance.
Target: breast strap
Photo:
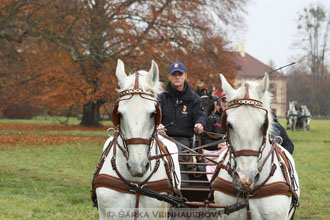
(272, 189)
(111, 182)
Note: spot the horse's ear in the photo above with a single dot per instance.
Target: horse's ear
(263, 86)
(153, 74)
(120, 73)
(226, 86)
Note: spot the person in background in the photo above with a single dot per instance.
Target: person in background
(216, 102)
(182, 113)
(213, 124)
(279, 130)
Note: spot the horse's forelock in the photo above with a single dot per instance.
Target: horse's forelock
(143, 83)
(266, 98)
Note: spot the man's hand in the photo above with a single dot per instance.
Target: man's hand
(222, 145)
(161, 127)
(198, 128)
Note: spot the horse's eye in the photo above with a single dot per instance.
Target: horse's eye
(120, 115)
(229, 125)
(152, 114)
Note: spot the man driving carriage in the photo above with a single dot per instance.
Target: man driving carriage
(182, 113)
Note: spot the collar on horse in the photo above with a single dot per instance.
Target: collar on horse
(121, 184)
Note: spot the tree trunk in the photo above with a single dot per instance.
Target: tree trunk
(91, 114)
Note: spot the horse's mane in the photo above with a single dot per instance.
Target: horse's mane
(266, 99)
(143, 83)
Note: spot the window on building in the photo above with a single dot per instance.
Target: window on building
(272, 89)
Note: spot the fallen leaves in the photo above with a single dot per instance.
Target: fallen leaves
(19, 138)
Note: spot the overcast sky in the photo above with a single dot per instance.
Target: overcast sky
(272, 29)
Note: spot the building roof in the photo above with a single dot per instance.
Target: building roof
(250, 67)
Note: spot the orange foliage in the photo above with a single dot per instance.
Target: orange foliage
(69, 49)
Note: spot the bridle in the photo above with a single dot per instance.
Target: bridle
(116, 117)
(276, 188)
(246, 101)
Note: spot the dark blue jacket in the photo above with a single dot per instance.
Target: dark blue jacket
(213, 124)
(183, 108)
(279, 130)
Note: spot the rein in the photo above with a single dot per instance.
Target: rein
(188, 149)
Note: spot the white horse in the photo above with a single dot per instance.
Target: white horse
(253, 168)
(305, 113)
(132, 158)
(292, 116)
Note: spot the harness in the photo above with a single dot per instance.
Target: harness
(287, 187)
(146, 187)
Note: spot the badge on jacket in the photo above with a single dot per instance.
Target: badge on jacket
(184, 110)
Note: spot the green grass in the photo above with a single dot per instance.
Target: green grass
(311, 154)
(51, 182)
(54, 181)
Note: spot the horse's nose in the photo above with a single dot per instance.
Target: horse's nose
(243, 182)
(136, 171)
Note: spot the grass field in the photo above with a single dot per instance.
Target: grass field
(46, 169)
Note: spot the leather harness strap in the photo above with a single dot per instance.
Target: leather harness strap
(136, 84)
(278, 150)
(263, 190)
(276, 188)
(125, 186)
(138, 141)
(246, 153)
(107, 181)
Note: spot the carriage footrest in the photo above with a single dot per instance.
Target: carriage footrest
(195, 193)
(204, 189)
(195, 172)
(197, 164)
(195, 181)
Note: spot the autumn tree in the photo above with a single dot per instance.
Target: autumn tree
(314, 30)
(70, 48)
(314, 24)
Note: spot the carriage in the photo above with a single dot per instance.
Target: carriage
(298, 117)
(139, 167)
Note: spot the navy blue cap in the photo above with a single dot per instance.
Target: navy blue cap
(177, 66)
(215, 97)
